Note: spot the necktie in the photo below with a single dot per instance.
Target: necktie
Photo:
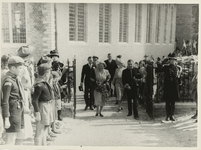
(131, 77)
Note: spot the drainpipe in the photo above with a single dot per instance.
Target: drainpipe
(55, 14)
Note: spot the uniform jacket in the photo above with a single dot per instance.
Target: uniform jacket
(111, 67)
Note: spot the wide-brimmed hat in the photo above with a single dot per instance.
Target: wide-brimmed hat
(54, 53)
(44, 59)
(172, 56)
(25, 52)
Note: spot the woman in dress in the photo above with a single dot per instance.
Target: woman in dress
(100, 77)
(117, 82)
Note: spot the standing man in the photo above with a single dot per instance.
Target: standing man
(85, 77)
(129, 77)
(111, 66)
(171, 85)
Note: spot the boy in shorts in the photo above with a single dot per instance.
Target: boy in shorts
(42, 99)
(12, 102)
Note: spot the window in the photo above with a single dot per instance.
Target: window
(165, 23)
(172, 12)
(138, 18)
(13, 23)
(158, 23)
(123, 23)
(149, 23)
(104, 22)
(77, 22)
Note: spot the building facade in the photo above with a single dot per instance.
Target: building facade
(82, 30)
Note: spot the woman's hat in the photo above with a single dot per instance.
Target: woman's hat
(172, 56)
(101, 62)
(54, 53)
(120, 62)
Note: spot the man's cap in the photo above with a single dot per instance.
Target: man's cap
(146, 56)
(43, 68)
(24, 51)
(54, 53)
(15, 60)
(119, 56)
(95, 57)
(44, 59)
(55, 74)
(4, 58)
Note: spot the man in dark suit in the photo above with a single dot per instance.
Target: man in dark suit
(129, 77)
(111, 66)
(85, 77)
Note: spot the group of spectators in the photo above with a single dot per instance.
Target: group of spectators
(134, 82)
(30, 96)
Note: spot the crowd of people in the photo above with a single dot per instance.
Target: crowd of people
(134, 82)
(30, 96)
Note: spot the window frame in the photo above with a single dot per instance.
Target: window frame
(76, 23)
(11, 44)
(103, 23)
(138, 24)
(123, 22)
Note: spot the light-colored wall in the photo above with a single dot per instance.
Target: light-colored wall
(130, 50)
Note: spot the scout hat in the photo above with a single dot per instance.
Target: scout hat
(54, 53)
(15, 60)
(44, 59)
(42, 69)
(5, 58)
(25, 52)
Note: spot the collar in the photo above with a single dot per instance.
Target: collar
(12, 75)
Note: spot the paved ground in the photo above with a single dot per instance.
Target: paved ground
(116, 129)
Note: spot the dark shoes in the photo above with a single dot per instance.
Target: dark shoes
(195, 116)
(172, 118)
(137, 118)
(85, 108)
(116, 103)
(129, 115)
(119, 109)
(100, 115)
(91, 108)
(167, 119)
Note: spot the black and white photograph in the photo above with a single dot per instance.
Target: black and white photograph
(99, 74)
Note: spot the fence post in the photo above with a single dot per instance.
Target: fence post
(74, 74)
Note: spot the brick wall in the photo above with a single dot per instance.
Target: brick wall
(40, 29)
